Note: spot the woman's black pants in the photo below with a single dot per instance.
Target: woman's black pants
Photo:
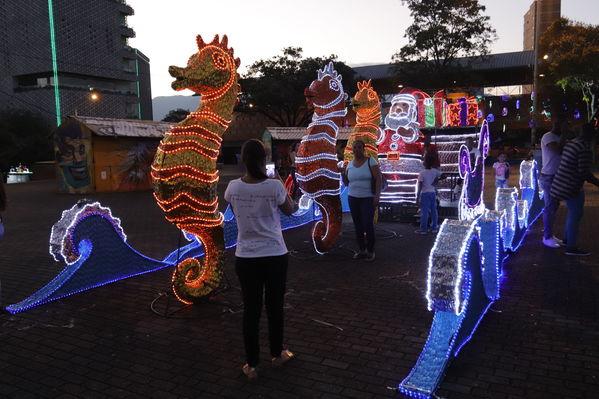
(262, 278)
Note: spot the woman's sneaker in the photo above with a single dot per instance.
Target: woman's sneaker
(285, 356)
(576, 252)
(370, 257)
(360, 255)
(551, 242)
(250, 372)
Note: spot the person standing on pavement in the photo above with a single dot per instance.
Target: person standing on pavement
(362, 176)
(502, 171)
(2, 204)
(574, 169)
(550, 152)
(261, 256)
(427, 195)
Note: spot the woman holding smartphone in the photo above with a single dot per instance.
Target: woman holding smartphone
(261, 256)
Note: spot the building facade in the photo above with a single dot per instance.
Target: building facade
(539, 16)
(69, 57)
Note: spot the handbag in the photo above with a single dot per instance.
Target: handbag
(384, 183)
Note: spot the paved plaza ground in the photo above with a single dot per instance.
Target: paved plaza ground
(357, 327)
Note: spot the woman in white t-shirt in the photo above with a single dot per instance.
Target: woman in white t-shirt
(427, 194)
(261, 254)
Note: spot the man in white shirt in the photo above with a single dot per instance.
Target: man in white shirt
(550, 148)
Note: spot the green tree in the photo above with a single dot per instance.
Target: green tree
(176, 115)
(572, 60)
(275, 86)
(24, 138)
(441, 31)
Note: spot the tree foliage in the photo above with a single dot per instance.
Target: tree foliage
(443, 30)
(275, 86)
(176, 115)
(572, 51)
(24, 138)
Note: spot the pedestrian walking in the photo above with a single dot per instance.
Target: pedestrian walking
(502, 171)
(427, 195)
(550, 152)
(2, 204)
(362, 176)
(574, 169)
(261, 256)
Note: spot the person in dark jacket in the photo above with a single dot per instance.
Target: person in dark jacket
(573, 171)
(2, 204)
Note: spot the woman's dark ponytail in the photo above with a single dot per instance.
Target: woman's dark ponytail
(253, 156)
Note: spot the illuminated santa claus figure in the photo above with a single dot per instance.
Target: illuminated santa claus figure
(400, 150)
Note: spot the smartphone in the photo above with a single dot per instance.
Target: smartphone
(270, 170)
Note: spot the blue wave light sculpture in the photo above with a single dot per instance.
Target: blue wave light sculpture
(464, 271)
(92, 244)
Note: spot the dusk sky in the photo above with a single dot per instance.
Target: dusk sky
(359, 32)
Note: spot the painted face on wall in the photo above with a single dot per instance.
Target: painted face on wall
(71, 156)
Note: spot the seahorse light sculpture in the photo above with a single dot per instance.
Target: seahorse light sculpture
(471, 203)
(367, 105)
(317, 172)
(184, 170)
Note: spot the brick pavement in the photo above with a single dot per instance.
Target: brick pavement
(358, 328)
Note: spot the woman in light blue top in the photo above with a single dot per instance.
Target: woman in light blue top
(363, 178)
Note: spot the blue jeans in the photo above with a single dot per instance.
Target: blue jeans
(551, 206)
(575, 211)
(428, 205)
(501, 183)
(362, 213)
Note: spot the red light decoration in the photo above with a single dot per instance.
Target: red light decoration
(317, 172)
(184, 170)
(463, 113)
(431, 110)
(367, 105)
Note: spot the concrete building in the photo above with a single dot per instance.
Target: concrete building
(539, 16)
(81, 45)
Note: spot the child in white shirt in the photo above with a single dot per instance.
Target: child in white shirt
(502, 171)
(427, 181)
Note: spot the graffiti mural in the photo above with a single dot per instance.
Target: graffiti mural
(73, 152)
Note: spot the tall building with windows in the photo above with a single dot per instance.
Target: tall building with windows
(69, 57)
(537, 19)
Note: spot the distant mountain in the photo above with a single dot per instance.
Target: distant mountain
(162, 105)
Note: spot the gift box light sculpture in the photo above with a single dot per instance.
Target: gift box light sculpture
(465, 266)
(184, 170)
(367, 105)
(317, 172)
(463, 113)
(431, 110)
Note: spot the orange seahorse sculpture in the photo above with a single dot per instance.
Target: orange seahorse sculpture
(367, 105)
(184, 170)
(317, 172)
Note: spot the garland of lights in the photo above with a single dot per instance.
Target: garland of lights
(463, 113)
(367, 106)
(471, 203)
(317, 172)
(184, 169)
(62, 245)
(465, 267)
